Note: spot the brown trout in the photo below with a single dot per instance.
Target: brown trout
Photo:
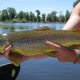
(30, 43)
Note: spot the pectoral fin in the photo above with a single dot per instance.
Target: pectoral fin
(16, 58)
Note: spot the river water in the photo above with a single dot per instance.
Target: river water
(12, 27)
(46, 68)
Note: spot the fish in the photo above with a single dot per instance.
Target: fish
(33, 42)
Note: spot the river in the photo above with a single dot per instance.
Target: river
(46, 68)
(12, 27)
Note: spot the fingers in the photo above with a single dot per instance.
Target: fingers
(63, 54)
(7, 50)
(54, 45)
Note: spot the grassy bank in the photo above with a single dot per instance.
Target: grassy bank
(13, 27)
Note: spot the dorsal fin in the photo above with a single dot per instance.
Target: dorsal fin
(42, 28)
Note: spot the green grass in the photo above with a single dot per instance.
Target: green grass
(13, 27)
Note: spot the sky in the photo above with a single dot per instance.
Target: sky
(45, 6)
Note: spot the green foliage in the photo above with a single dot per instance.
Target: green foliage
(38, 12)
(67, 15)
(61, 17)
(43, 17)
(23, 20)
(15, 20)
(53, 14)
(10, 15)
(76, 2)
(51, 17)
(4, 15)
(32, 16)
(21, 15)
(11, 12)
(27, 16)
(38, 15)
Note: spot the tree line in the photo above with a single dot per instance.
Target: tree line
(76, 2)
(10, 15)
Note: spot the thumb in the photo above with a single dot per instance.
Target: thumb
(7, 50)
(54, 45)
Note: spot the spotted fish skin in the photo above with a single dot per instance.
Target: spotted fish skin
(32, 39)
(2, 41)
(32, 43)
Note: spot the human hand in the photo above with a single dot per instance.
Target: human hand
(63, 54)
(7, 50)
(9, 53)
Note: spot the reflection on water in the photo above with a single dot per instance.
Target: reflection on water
(49, 69)
(46, 69)
(12, 27)
(42, 69)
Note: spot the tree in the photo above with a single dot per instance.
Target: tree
(67, 15)
(76, 2)
(27, 16)
(38, 15)
(43, 17)
(4, 15)
(11, 12)
(49, 17)
(32, 16)
(54, 17)
(0, 15)
(21, 15)
(61, 17)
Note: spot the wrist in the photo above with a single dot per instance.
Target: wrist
(77, 57)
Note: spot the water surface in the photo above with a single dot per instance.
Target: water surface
(43, 69)
(15, 27)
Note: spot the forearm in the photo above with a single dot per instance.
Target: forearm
(77, 57)
(73, 23)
